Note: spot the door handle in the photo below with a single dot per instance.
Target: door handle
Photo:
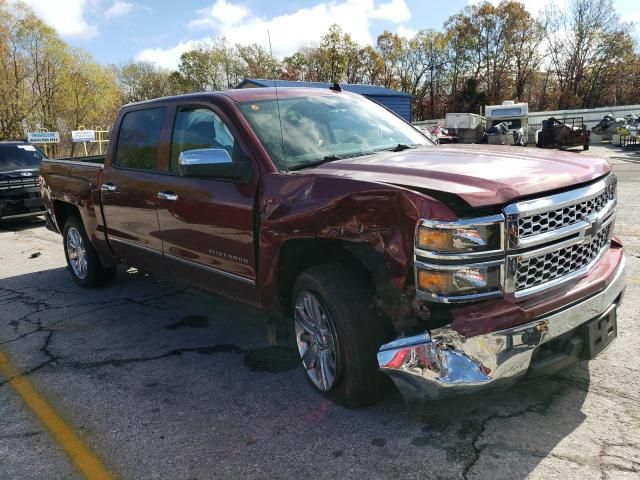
(108, 187)
(170, 196)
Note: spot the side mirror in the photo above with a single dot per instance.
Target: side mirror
(214, 163)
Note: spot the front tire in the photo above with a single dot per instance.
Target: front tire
(82, 260)
(338, 333)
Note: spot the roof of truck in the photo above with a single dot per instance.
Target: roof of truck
(248, 94)
(360, 88)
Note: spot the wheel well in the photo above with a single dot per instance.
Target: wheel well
(62, 211)
(298, 255)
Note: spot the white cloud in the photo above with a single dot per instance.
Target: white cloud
(290, 31)
(169, 57)
(221, 12)
(119, 9)
(66, 16)
(395, 11)
(631, 17)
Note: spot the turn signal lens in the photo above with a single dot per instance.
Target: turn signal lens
(465, 280)
(432, 281)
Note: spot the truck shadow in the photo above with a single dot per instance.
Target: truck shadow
(19, 225)
(143, 346)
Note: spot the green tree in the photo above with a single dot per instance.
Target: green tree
(143, 81)
(258, 62)
(584, 42)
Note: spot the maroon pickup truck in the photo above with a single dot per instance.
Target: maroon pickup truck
(451, 269)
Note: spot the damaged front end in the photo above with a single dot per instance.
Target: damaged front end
(442, 363)
(546, 277)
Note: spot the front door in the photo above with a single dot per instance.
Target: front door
(207, 223)
(129, 190)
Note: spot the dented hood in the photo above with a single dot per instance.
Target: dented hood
(482, 175)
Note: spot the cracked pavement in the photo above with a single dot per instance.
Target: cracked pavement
(165, 382)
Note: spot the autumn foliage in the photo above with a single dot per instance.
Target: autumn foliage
(583, 56)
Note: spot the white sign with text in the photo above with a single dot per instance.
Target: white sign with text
(43, 137)
(83, 136)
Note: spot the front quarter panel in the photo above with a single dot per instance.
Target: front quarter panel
(310, 206)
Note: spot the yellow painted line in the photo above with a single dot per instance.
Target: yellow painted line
(80, 453)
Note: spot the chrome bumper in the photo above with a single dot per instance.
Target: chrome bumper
(443, 363)
(40, 213)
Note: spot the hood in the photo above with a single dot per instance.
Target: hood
(482, 175)
(20, 174)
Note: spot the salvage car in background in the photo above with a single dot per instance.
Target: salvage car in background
(19, 190)
(446, 267)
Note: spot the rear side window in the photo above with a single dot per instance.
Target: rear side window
(139, 139)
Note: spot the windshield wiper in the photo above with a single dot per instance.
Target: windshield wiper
(401, 146)
(330, 158)
(325, 159)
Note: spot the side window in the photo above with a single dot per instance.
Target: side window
(139, 139)
(197, 127)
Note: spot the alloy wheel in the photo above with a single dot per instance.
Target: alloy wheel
(77, 253)
(316, 339)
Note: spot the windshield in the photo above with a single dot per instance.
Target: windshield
(325, 128)
(511, 124)
(15, 157)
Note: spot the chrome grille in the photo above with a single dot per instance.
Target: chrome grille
(550, 266)
(568, 215)
(18, 183)
(555, 239)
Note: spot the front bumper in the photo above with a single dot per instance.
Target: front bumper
(21, 203)
(444, 363)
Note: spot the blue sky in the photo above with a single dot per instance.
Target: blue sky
(118, 31)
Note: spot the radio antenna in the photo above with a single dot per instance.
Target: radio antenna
(275, 85)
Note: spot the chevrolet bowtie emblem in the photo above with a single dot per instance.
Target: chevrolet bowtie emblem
(26, 174)
(593, 229)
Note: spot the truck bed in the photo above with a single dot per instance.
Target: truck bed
(91, 159)
(71, 180)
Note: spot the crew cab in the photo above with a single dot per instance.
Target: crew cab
(19, 190)
(450, 269)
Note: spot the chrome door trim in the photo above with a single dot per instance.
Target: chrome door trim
(132, 244)
(208, 268)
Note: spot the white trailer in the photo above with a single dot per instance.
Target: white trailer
(463, 120)
(468, 127)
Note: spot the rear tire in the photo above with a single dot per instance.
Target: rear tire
(346, 338)
(82, 260)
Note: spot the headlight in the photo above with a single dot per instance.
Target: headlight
(459, 281)
(460, 261)
(474, 236)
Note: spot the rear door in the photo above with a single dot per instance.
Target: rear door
(207, 224)
(129, 189)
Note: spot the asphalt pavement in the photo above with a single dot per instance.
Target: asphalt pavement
(148, 379)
